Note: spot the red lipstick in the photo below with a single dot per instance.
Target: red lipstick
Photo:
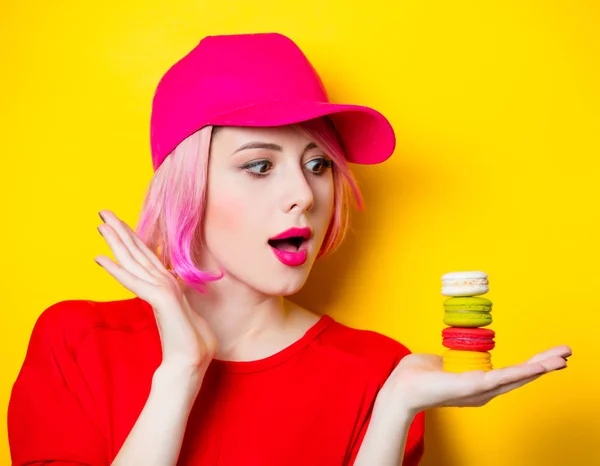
(290, 246)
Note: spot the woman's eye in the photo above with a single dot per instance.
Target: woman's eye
(258, 167)
(319, 165)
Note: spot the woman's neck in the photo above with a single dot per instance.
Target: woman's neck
(249, 325)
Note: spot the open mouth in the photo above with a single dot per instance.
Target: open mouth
(290, 244)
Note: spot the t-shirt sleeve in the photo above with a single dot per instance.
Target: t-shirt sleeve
(414, 448)
(51, 415)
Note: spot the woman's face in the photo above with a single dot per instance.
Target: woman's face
(263, 182)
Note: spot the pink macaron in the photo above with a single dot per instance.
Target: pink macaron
(468, 339)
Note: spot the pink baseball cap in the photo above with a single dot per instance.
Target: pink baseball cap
(256, 80)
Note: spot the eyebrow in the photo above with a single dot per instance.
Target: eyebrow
(269, 146)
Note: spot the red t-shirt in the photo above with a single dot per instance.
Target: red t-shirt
(88, 372)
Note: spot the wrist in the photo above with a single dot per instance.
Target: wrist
(395, 406)
(385, 439)
(393, 415)
(178, 379)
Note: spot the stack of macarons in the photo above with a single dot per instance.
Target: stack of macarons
(465, 313)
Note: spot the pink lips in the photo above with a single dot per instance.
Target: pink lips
(290, 258)
(293, 258)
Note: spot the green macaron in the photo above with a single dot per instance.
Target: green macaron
(467, 312)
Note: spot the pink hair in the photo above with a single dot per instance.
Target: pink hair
(174, 206)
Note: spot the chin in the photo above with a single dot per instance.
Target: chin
(284, 285)
(282, 281)
(269, 278)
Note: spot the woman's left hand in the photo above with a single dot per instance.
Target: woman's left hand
(419, 381)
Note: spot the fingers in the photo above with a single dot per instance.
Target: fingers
(122, 254)
(476, 383)
(476, 388)
(547, 361)
(125, 249)
(504, 380)
(562, 351)
(511, 386)
(145, 254)
(515, 376)
(551, 364)
(511, 374)
(484, 398)
(133, 283)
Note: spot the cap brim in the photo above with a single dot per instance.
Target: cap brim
(366, 135)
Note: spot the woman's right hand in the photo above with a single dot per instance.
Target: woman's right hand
(419, 381)
(187, 341)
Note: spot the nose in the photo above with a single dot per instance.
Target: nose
(299, 193)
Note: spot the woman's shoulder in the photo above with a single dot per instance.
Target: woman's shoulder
(72, 319)
(363, 345)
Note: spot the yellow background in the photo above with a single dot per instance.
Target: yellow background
(495, 105)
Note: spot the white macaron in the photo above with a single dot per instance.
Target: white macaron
(465, 283)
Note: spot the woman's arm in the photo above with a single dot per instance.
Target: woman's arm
(188, 347)
(385, 439)
(156, 437)
(419, 382)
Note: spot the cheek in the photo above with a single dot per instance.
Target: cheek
(224, 213)
(330, 195)
(325, 195)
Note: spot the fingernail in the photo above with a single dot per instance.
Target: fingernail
(100, 231)
(100, 214)
(97, 262)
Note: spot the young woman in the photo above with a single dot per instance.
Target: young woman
(209, 363)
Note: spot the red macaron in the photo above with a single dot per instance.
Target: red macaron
(468, 339)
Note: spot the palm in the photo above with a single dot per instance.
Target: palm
(420, 381)
(185, 336)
